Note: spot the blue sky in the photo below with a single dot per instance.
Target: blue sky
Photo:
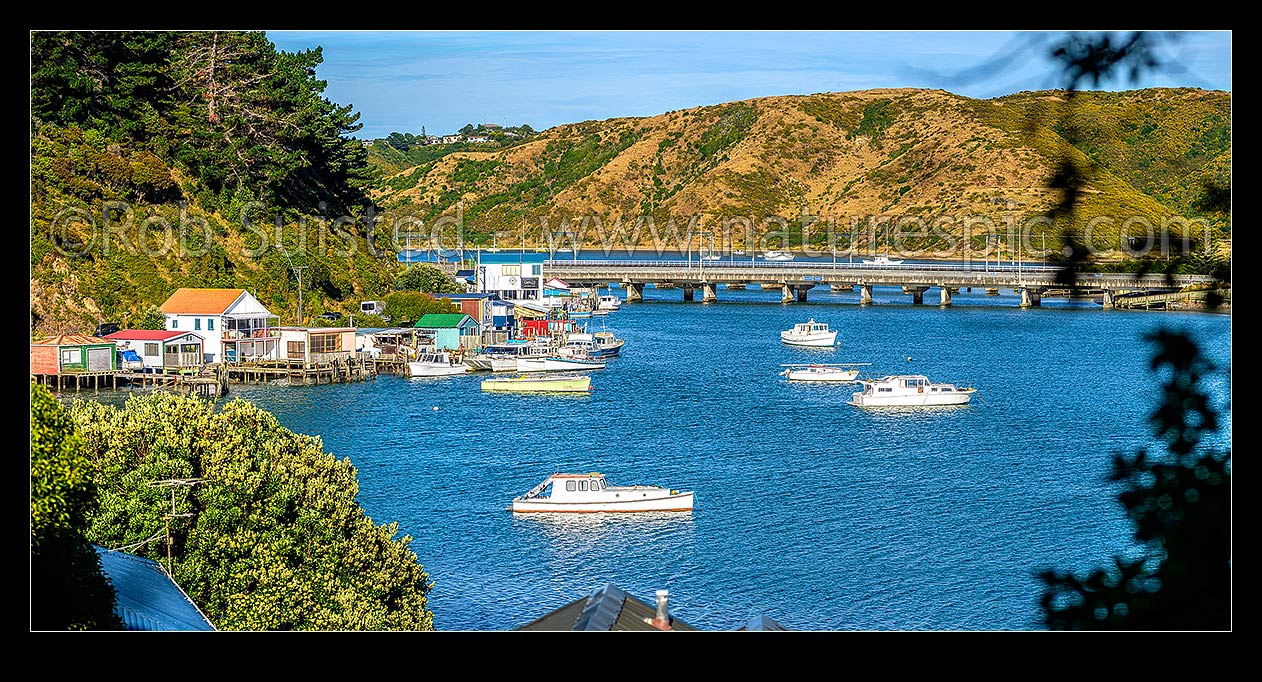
(402, 80)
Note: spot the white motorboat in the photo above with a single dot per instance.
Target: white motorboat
(841, 372)
(590, 346)
(556, 364)
(776, 255)
(590, 493)
(609, 303)
(909, 390)
(881, 260)
(811, 333)
(435, 364)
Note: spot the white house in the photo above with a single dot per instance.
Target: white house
(162, 351)
(451, 139)
(235, 326)
(514, 276)
(317, 344)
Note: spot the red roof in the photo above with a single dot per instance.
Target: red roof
(145, 334)
(201, 301)
(71, 340)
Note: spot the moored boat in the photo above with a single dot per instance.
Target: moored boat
(777, 255)
(840, 372)
(810, 333)
(591, 493)
(590, 346)
(881, 260)
(538, 384)
(436, 364)
(556, 364)
(609, 303)
(908, 390)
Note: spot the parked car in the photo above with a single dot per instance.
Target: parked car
(106, 328)
(331, 316)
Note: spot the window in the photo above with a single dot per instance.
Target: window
(325, 343)
(151, 349)
(197, 323)
(295, 350)
(536, 269)
(71, 356)
(582, 485)
(512, 270)
(885, 390)
(175, 323)
(571, 486)
(210, 324)
(598, 484)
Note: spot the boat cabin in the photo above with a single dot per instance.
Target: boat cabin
(810, 327)
(571, 488)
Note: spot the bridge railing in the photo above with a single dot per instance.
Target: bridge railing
(800, 265)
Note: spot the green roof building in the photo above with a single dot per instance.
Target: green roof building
(450, 330)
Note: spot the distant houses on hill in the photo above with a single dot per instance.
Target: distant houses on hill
(483, 133)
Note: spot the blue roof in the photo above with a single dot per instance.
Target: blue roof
(511, 257)
(467, 297)
(145, 598)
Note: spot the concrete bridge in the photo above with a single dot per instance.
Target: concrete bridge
(795, 278)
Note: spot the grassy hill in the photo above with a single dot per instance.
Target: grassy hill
(900, 152)
(134, 194)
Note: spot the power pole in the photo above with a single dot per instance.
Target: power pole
(173, 483)
(298, 270)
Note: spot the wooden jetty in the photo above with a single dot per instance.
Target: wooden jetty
(298, 373)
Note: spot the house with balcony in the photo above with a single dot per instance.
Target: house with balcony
(234, 325)
(514, 276)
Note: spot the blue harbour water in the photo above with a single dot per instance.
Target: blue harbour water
(820, 515)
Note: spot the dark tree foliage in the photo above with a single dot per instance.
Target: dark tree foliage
(238, 117)
(1181, 507)
(68, 590)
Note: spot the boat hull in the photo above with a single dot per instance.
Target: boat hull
(478, 363)
(556, 365)
(821, 340)
(678, 502)
(417, 369)
(843, 376)
(918, 400)
(503, 364)
(538, 385)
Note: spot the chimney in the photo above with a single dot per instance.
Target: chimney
(662, 621)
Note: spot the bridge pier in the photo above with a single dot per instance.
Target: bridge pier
(841, 287)
(688, 292)
(917, 294)
(865, 294)
(992, 291)
(945, 299)
(802, 294)
(1031, 297)
(1107, 301)
(735, 286)
(635, 292)
(709, 292)
(786, 293)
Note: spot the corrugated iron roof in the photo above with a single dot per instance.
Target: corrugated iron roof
(761, 623)
(145, 598)
(71, 340)
(201, 301)
(145, 334)
(441, 320)
(607, 609)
